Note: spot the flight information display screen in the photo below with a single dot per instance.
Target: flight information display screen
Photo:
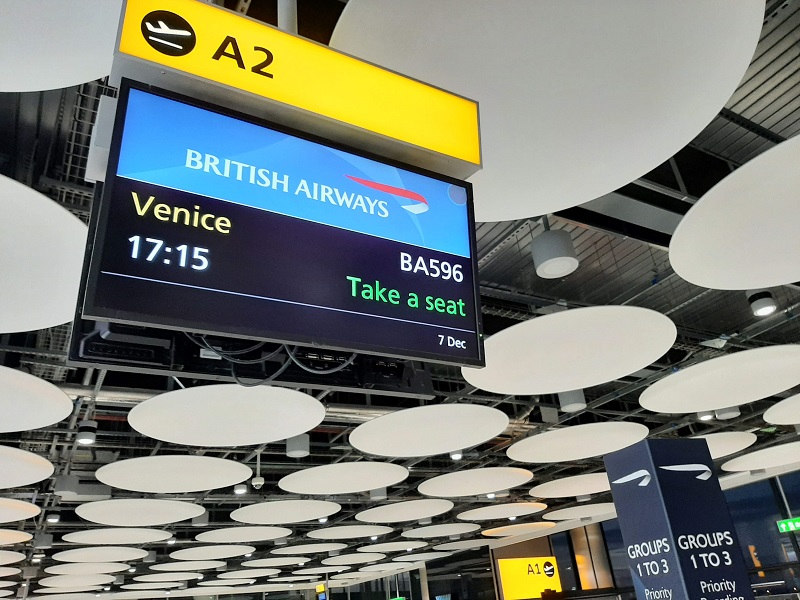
(215, 222)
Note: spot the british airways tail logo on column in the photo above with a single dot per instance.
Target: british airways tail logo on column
(418, 205)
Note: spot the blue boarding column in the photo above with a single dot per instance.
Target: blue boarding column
(675, 523)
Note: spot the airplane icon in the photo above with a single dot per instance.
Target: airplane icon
(164, 29)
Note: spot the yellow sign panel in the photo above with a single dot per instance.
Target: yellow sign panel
(216, 44)
(522, 578)
(320, 588)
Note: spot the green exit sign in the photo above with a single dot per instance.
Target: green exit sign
(789, 525)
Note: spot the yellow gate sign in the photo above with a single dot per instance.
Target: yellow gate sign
(522, 578)
(213, 43)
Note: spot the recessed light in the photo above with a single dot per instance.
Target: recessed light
(323, 519)
(373, 537)
(171, 541)
(457, 455)
(705, 415)
(490, 496)
(240, 488)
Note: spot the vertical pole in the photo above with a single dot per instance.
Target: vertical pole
(423, 582)
(287, 16)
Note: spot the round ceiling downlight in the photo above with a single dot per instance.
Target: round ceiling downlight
(138, 512)
(610, 83)
(418, 431)
(39, 236)
(577, 442)
(730, 380)
(173, 474)
(212, 415)
(343, 478)
(539, 356)
(283, 512)
(44, 404)
(474, 482)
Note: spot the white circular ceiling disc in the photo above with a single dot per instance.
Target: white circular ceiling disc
(577, 442)
(348, 532)
(227, 415)
(173, 474)
(81, 568)
(16, 510)
(462, 545)
(380, 568)
(421, 556)
(310, 548)
(8, 557)
(61, 581)
(162, 577)
(474, 482)
(163, 585)
(9, 571)
(502, 511)
(22, 468)
(354, 559)
(44, 404)
(216, 582)
(236, 535)
(36, 236)
(402, 546)
(138, 512)
(9, 537)
(249, 573)
(6, 584)
(584, 511)
(281, 561)
(517, 529)
(100, 554)
(117, 536)
(77, 48)
(414, 432)
(320, 570)
(768, 458)
(729, 380)
(212, 552)
(71, 593)
(722, 243)
(189, 565)
(282, 512)
(592, 131)
(343, 478)
(728, 442)
(295, 578)
(578, 485)
(445, 530)
(785, 412)
(568, 350)
(410, 510)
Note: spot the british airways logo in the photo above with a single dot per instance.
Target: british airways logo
(418, 204)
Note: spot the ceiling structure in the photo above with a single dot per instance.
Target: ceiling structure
(621, 240)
